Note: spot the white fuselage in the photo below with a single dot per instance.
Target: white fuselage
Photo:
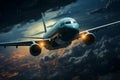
(63, 32)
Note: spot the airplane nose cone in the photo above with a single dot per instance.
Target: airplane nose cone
(76, 26)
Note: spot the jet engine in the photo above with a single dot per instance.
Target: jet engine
(35, 49)
(87, 38)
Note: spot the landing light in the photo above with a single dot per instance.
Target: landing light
(83, 36)
(42, 44)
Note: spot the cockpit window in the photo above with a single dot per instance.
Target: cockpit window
(68, 22)
(74, 22)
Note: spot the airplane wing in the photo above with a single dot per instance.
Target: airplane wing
(100, 27)
(22, 43)
(38, 33)
(33, 37)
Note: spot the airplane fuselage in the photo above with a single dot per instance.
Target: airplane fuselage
(62, 33)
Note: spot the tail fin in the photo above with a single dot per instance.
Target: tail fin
(44, 24)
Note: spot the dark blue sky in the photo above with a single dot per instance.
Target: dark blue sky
(16, 11)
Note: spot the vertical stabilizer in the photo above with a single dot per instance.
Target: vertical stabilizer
(44, 24)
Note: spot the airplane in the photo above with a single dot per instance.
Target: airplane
(61, 34)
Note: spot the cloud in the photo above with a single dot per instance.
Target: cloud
(111, 6)
(92, 61)
(50, 57)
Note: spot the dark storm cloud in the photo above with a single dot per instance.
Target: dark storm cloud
(111, 6)
(50, 57)
(15, 11)
(101, 59)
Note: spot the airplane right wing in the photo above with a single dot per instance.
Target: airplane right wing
(101, 27)
(87, 36)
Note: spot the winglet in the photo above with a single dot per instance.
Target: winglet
(44, 24)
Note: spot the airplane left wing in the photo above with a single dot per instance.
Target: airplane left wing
(17, 43)
(100, 27)
(22, 43)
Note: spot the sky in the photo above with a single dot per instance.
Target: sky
(16, 11)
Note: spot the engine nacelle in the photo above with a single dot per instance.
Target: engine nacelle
(35, 49)
(87, 38)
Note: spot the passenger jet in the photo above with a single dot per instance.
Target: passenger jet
(61, 34)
